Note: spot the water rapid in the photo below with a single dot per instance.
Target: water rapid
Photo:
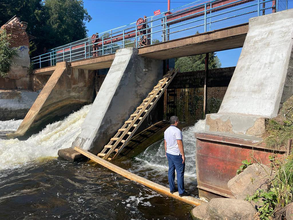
(153, 160)
(36, 185)
(16, 153)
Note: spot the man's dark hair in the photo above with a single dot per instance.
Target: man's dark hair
(173, 119)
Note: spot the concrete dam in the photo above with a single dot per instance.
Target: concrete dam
(261, 82)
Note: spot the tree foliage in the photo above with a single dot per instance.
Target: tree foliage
(197, 62)
(51, 23)
(64, 21)
(6, 54)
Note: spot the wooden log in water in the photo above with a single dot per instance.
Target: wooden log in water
(161, 189)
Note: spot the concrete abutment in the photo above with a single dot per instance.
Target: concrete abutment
(261, 83)
(127, 83)
(66, 90)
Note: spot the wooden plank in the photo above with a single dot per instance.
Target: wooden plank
(159, 188)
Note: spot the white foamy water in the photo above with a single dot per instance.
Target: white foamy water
(10, 125)
(15, 153)
(154, 158)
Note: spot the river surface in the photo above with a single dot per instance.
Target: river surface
(35, 184)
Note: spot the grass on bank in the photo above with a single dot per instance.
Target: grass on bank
(272, 202)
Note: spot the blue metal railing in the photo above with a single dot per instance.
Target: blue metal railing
(186, 21)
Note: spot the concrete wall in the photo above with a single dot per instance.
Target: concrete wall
(257, 85)
(66, 90)
(262, 80)
(15, 104)
(127, 83)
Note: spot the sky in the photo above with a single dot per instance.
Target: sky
(109, 14)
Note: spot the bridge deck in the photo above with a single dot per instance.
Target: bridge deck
(218, 40)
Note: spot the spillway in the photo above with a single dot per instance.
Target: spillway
(45, 144)
(32, 179)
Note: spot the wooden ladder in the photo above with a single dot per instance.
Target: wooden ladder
(124, 134)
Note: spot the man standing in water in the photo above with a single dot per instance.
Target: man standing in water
(175, 153)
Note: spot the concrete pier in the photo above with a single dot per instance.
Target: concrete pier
(66, 90)
(127, 83)
(262, 80)
(261, 83)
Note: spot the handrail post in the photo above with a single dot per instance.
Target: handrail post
(164, 29)
(40, 60)
(50, 54)
(277, 5)
(136, 44)
(103, 45)
(151, 30)
(112, 41)
(54, 57)
(167, 31)
(205, 17)
(63, 55)
(123, 40)
(273, 6)
(210, 23)
(85, 50)
(258, 7)
(70, 53)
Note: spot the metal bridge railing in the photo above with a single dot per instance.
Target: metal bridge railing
(183, 22)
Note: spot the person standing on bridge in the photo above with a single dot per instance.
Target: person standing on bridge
(175, 154)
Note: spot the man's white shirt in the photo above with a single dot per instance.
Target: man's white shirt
(171, 135)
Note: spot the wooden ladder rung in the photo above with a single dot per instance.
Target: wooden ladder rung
(140, 113)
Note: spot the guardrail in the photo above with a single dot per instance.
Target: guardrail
(183, 22)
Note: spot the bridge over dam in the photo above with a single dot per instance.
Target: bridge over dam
(223, 39)
(212, 41)
(136, 81)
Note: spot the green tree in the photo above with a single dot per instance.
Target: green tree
(51, 23)
(64, 22)
(26, 10)
(197, 62)
(6, 54)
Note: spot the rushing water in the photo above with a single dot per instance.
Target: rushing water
(34, 184)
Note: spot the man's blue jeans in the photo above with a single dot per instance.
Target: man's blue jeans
(175, 163)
